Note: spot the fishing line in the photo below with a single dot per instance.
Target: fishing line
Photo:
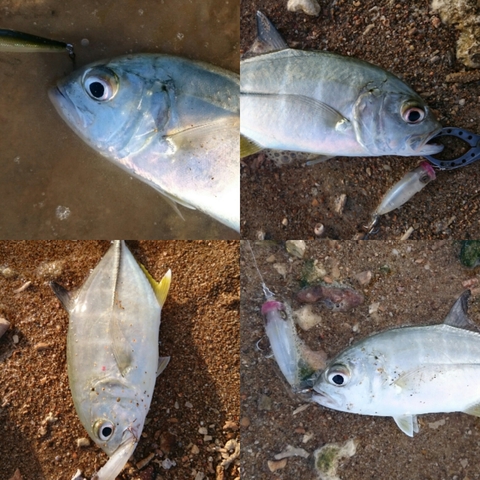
(266, 291)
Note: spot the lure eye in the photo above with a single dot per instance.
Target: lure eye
(101, 84)
(104, 429)
(338, 375)
(413, 115)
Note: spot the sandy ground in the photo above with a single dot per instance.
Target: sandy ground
(412, 283)
(407, 39)
(199, 388)
(44, 166)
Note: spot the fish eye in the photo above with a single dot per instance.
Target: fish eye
(104, 429)
(338, 375)
(101, 84)
(413, 115)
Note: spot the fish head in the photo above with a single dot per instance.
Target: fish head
(112, 421)
(391, 119)
(114, 106)
(349, 382)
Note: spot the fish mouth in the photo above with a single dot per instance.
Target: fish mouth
(325, 400)
(65, 107)
(119, 458)
(428, 147)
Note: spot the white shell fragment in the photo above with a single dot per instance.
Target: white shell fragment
(310, 7)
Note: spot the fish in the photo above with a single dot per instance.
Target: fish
(112, 351)
(328, 104)
(173, 123)
(408, 371)
(14, 41)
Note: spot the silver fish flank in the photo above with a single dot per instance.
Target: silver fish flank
(324, 103)
(112, 351)
(405, 372)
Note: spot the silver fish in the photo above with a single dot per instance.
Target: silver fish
(112, 351)
(171, 122)
(408, 371)
(324, 103)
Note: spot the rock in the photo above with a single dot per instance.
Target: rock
(305, 318)
(83, 442)
(328, 456)
(364, 278)
(292, 452)
(310, 7)
(275, 465)
(296, 247)
(244, 422)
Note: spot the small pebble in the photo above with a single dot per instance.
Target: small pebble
(275, 465)
(145, 461)
(310, 7)
(340, 203)
(15, 339)
(83, 442)
(41, 346)
(244, 422)
(364, 278)
(203, 431)
(195, 450)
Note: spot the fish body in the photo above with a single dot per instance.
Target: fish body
(408, 371)
(112, 351)
(325, 103)
(171, 122)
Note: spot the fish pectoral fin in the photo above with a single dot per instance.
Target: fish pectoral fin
(160, 288)
(473, 410)
(248, 147)
(196, 134)
(408, 424)
(162, 364)
(66, 299)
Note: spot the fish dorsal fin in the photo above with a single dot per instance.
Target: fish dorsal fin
(248, 147)
(162, 364)
(457, 317)
(120, 345)
(407, 424)
(268, 39)
(65, 297)
(160, 288)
